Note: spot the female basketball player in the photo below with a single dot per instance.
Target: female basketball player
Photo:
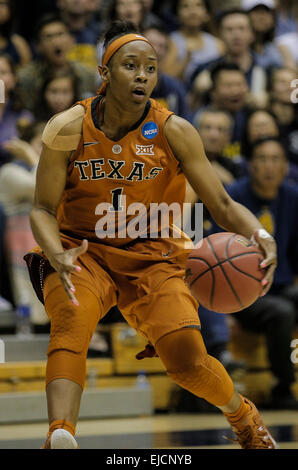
(118, 144)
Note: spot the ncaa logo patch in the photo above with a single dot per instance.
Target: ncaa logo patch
(150, 130)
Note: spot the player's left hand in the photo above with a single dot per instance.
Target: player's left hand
(268, 245)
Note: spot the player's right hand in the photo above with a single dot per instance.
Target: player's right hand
(268, 245)
(63, 263)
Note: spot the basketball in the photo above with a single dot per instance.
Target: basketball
(224, 272)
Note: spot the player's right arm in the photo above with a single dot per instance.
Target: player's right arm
(187, 147)
(60, 138)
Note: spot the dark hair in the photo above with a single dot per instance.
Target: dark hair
(117, 29)
(223, 67)
(263, 140)
(272, 73)
(234, 11)
(157, 27)
(246, 142)
(49, 18)
(214, 110)
(269, 35)
(111, 13)
(8, 28)
(176, 4)
(42, 111)
(208, 26)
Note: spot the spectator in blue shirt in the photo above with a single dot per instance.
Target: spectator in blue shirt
(191, 44)
(263, 16)
(229, 92)
(275, 202)
(12, 113)
(286, 20)
(282, 103)
(53, 42)
(84, 29)
(235, 30)
(263, 123)
(215, 127)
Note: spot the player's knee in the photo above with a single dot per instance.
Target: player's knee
(71, 332)
(75, 339)
(184, 356)
(192, 363)
(69, 329)
(191, 369)
(67, 351)
(181, 349)
(192, 375)
(187, 363)
(66, 364)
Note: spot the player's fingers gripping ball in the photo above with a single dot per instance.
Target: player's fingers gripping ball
(224, 273)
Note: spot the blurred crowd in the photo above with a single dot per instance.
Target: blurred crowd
(227, 66)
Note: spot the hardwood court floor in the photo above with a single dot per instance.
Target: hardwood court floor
(179, 431)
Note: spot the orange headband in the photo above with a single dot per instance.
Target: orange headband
(113, 48)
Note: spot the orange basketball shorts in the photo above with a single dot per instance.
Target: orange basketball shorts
(145, 280)
(147, 286)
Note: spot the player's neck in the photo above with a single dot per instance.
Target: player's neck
(116, 121)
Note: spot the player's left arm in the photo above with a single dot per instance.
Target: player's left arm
(187, 147)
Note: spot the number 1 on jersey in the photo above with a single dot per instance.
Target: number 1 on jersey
(116, 199)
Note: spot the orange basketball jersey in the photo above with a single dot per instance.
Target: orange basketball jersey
(111, 185)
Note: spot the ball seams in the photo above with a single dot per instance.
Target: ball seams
(225, 275)
(222, 262)
(228, 259)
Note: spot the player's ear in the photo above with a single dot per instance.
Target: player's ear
(104, 72)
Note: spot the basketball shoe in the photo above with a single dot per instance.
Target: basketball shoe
(250, 430)
(60, 439)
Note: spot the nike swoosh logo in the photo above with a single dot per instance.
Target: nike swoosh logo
(87, 144)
